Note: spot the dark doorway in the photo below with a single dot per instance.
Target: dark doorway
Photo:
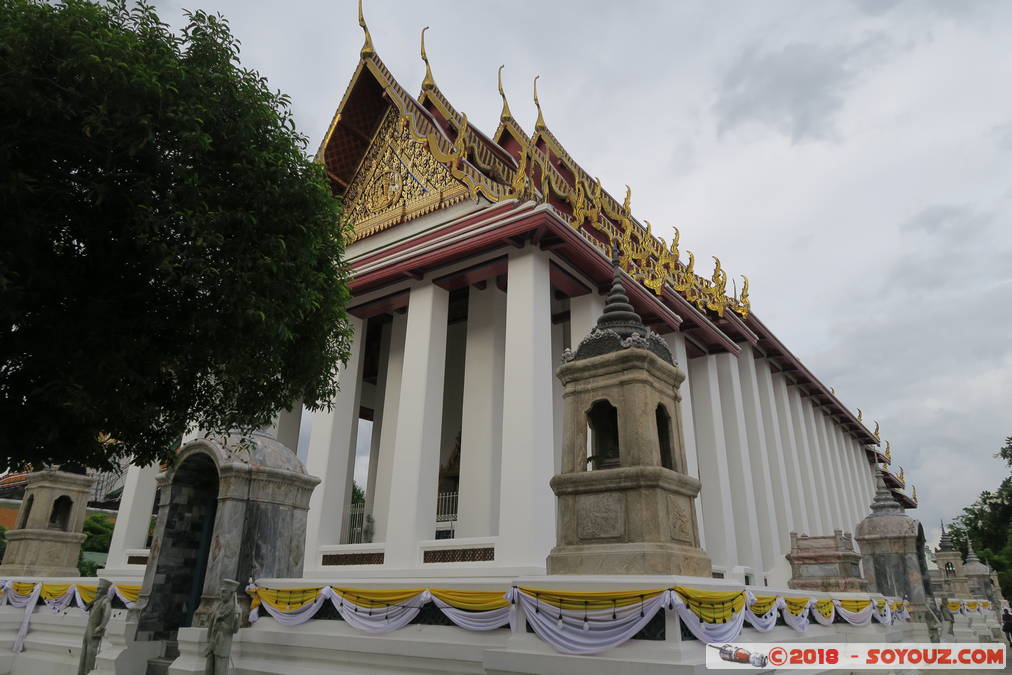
(664, 437)
(603, 421)
(183, 552)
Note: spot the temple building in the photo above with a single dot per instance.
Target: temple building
(477, 260)
(535, 373)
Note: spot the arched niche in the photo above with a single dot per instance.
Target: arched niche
(59, 517)
(663, 420)
(602, 418)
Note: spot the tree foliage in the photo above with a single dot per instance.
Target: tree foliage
(98, 533)
(170, 258)
(987, 524)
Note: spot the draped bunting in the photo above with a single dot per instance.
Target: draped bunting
(855, 612)
(825, 611)
(762, 613)
(795, 612)
(57, 597)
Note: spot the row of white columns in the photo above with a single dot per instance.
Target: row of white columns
(770, 462)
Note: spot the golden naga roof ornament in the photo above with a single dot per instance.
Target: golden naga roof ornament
(367, 48)
(627, 204)
(860, 415)
(717, 292)
(505, 114)
(743, 301)
(876, 432)
(889, 452)
(901, 478)
(913, 494)
(540, 123)
(832, 390)
(428, 82)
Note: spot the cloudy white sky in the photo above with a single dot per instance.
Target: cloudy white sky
(854, 159)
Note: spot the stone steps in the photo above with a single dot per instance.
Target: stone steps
(160, 665)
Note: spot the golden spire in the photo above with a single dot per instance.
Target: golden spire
(877, 437)
(540, 124)
(505, 114)
(367, 48)
(860, 416)
(429, 82)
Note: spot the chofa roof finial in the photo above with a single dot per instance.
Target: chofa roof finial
(540, 123)
(367, 48)
(429, 82)
(505, 114)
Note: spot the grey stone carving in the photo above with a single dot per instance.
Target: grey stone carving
(222, 624)
(98, 617)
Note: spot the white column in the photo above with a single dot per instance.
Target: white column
(763, 487)
(388, 431)
(792, 456)
(746, 525)
(840, 477)
(775, 447)
(819, 468)
(133, 519)
(676, 342)
(378, 408)
(860, 508)
(832, 473)
(866, 473)
(854, 500)
(715, 495)
(287, 425)
(806, 454)
(558, 344)
(860, 460)
(527, 504)
(584, 311)
(481, 433)
(331, 454)
(413, 483)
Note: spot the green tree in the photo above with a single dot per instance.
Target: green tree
(987, 524)
(98, 533)
(170, 258)
(357, 493)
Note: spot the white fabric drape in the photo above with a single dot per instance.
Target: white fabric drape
(799, 622)
(380, 619)
(710, 632)
(767, 621)
(885, 616)
(862, 618)
(57, 605)
(28, 602)
(114, 590)
(579, 631)
(484, 620)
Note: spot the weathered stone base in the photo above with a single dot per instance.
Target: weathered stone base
(630, 558)
(41, 553)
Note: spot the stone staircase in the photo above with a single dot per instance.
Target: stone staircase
(161, 664)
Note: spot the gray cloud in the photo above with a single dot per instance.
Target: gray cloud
(796, 90)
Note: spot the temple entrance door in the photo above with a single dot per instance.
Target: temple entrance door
(185, 544)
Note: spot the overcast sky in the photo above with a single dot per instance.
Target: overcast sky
(852, 158)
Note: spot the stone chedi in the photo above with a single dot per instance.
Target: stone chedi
(825, 563)
(950, 563)
(625, 500)
(892, 544)
(48, 537)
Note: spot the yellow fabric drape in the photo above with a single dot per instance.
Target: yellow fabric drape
(23, 587)
(763, 604)
(854, 605)
(368, 597)
(474, 601)
(971, 605)
(897, 606)
(712, 606)
(880, 604)
(287, 599)
(825, 608)
(87, 593)
(54, 591)
(954, 606)
(129, 591)
(590, 599)
(796, 605)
